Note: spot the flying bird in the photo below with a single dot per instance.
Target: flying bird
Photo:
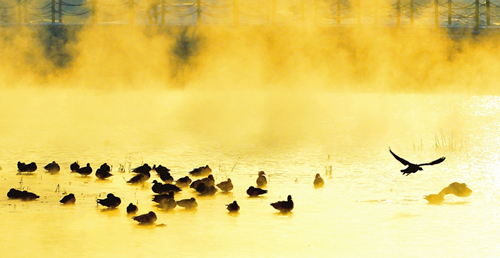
(413, 168)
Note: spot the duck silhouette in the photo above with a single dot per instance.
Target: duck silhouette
(183, 181)
(139, 178)
(144, 169)
(233, 207)
(261, 180)
(68, 199)
(111, 201)
(284, 206)
(132, 209)
(146, 219)
(167, 204)
(188, 204)
(52, 167)
(23, 195)
(208, 181)
(413, 168)
(458, 189)
(254, 191)
(23, 167)
(74, 166)
(164, 174)
(164, 188)
(162, 197)
(85, 171)
(318, 181)
(205, 190)
(201, 171)
(226, 186)
(103, 172)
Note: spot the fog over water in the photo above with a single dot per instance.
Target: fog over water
(291, 101)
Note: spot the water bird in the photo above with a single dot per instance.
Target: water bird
(233, 207)
(144, 169)
(132, 209)
(188, 204)
(458, 189)
(85, 171)
(201, 171)
(284, 206)
(111, 201)
(261, 180)
(68, 199)
(206, 190)
(167, 204)
(164, 188)
(23, 195)
(164, 174)
(162, 197)
(226, 186)
(74, 166)
(23, 167)
(146, 219)
(318, 181)
(103, 172)
(139, 178)
(254, 191)
(183, 181)
(52, 167)
(413, 168)
(208, 181)
(435, 198)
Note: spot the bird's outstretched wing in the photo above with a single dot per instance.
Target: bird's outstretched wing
(437, 161)
(405, 162)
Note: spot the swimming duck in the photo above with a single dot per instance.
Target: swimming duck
(183, 181)
(68, 199)
(52, 167)
(167, 204)
(208, 181)
(413, 168)
(284, 206)
(74, 166)
(85, 171)
(201, 171)
(23, 195)
(103, 172)
(261, 180)
(144, 169)
(226, 186)
(139, 178)
(162, 197)
(146, 219)
(233, 207)
(254, 191)
(206, 190)
(111, 201)
(164, 174)
(188, 204)
(132, 209)
(164, 188)
(318, 181)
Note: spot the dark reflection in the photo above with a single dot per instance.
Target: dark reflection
(111, 201)
(413, 168)
(284, 206)
(254, 191)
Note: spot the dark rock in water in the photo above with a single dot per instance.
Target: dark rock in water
(254, 191)
(85, 171)
(284, 206)
(201, 171)
(74, 166)
(68, 199)
(111, 201)
(226, 186)
(132, 209)
(183, 181)
(52, 167)
(146, 219)
(233, 207)
(23, 195)
(188, 204)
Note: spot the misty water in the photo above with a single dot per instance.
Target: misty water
(366, 208)
(290, 101)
